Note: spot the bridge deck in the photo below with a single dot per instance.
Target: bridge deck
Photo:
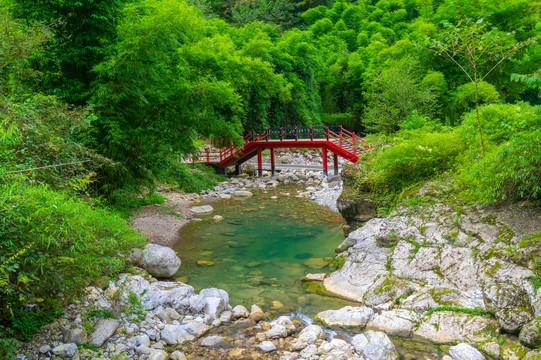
(340, 142)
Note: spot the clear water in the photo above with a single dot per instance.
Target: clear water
(262, 250)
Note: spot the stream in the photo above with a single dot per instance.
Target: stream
(262, 250)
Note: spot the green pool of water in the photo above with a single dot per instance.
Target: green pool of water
(262, 250)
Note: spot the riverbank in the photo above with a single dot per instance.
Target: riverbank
(416, 273)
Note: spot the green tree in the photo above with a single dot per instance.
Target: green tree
(81, 32)
(394, 95)
(477, 49)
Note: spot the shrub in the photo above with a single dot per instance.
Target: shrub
(511, 172)
(418, 157)
(190, 178)
(463, 99)
(53, 245)
(500, 122)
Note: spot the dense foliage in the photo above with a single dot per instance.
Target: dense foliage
(101, 100)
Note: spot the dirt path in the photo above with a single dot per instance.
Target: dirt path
(161, 223)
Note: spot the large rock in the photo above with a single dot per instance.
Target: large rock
(510, 304)
(347, 316)
(356, 210)
(177, 334)
(336, 349)
(530, 335)
(74, 333)
(65, 351)
(448, 326)
(159, 261)
(366, 262)
(374, 345)
(396, 322)
(103, 330)
(210, 301)
(465, 352)
(165, 294)
(384, 292)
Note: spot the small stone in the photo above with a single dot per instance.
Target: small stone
(157, 355)
(217, 218)
(214, 342)
(177, 355)
(256, 314)
(266, 346)
(277, 331)
(168, 315)
(142, 350)
(204, 209)
(226, 316)
(44, 349)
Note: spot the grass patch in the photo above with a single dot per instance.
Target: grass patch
(477, 312)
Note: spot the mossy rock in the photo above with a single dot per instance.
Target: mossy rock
(513, 351)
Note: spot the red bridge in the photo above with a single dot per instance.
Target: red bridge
(333, 138)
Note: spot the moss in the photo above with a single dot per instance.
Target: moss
(339, 262)
(441, 295)
(494, 269)
(386, 286)
(317, 287)
(513, 350)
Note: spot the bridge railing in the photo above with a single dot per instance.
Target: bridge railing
(335, 133)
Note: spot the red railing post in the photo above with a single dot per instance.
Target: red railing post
(296, 133)
(208, 156)
(259, 163)
(354, 148)
(273, 167)
(311, 134)
(324, 161)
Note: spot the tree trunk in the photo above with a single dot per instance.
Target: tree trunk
(478, 121)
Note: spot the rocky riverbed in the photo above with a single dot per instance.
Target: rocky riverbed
(429, 272)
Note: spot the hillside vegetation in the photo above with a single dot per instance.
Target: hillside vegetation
(100, 100)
